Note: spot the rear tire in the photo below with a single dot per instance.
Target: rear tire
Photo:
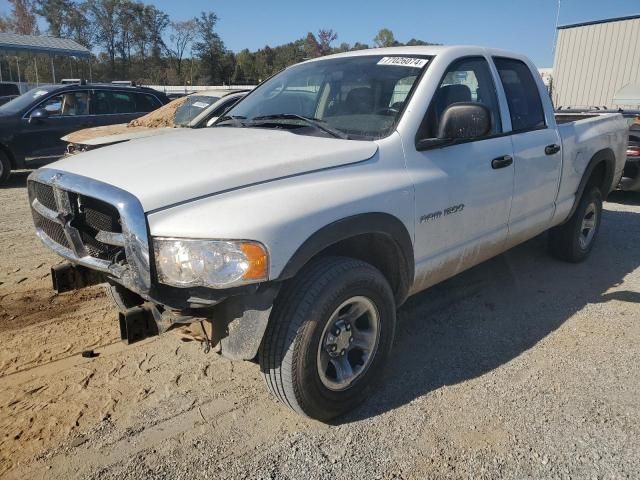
(329, 337)
(5, 168)
(573, 240)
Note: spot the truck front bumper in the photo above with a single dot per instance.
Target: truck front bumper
(239, 317)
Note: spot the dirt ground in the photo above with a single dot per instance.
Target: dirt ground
(523, 367)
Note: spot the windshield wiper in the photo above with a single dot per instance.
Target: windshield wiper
(316, 123)
(232, 119)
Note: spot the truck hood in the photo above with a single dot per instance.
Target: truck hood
(170, 169)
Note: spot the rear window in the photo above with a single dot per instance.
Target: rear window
(108, 102)
(192, 107)
(146, 103)
(523, 98)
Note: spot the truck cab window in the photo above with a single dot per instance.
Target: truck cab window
(466, 81)
(525, 106)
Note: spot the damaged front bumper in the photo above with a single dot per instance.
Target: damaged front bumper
(238, 320)
(102, 231)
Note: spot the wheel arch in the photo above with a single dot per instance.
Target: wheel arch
(599, 173)
(380, 239)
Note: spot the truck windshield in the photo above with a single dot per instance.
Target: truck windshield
(355, 97)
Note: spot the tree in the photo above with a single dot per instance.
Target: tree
(360, 46)
(414, 42)
(5, 24)
(68, 19)
(384, 38)
(325, 38)
(104, 15)
(155, 23)
(182, 35)
(209, 47)
(23, 17)
(311, 46)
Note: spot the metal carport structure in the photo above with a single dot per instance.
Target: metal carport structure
(14, 44)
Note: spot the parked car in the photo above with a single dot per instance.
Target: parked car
(32, 124)
(630, 180)
(325, 198)
(195, 111)
(8, 91)
(631, 176)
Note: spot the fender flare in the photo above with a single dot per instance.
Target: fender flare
(607, 156)
(353, 226)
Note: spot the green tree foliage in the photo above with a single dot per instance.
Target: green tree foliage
(384, 38)
(135, 40)
(23, 17)
(209, 48)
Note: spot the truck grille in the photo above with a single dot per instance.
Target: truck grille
(82, 224)
(51, 229)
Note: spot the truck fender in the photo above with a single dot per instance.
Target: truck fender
(367, 223)
(609, 158)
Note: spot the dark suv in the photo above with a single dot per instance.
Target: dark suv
(32, 124)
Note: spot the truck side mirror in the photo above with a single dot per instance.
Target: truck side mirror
(38, 114)
(460, 121)
(464, 121)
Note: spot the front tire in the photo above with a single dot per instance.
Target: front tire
(573, 240)
(329, 337)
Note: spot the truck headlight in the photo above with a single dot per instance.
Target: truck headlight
(209, 263)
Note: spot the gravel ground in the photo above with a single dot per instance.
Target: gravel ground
(523, 367)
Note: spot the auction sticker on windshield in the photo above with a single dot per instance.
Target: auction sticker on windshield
(404, 61)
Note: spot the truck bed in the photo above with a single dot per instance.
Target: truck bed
(573, 117)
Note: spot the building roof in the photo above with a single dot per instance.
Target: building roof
(596, 22)
(41, 44)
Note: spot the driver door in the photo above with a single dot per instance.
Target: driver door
(462, 197)
(68, 112)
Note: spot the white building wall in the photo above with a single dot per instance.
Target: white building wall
(593, 62)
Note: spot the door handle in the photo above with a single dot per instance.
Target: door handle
(501, 162)
(551, 149)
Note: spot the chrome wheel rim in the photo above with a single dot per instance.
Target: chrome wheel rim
(588, 226)
(348, 343)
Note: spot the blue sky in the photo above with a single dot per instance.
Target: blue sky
(526, 26)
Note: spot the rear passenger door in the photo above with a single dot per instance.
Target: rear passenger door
(110, 107)
(536, 149)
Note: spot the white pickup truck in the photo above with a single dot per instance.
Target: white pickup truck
(297, 225)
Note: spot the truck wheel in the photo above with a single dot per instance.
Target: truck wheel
(573, 240)
(328, 337)
(122, 298)
(5, 168)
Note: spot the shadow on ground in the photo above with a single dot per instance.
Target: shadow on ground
(487, 316)
(625, 198)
